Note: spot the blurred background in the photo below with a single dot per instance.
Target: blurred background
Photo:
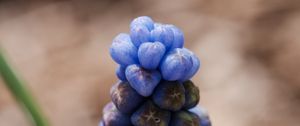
(249, 51)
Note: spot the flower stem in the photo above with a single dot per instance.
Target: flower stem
(22, 95)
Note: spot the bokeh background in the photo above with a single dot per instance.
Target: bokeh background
(250, 72)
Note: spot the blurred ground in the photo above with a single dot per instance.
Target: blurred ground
(249, 51)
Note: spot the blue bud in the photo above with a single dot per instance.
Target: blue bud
(162, 34)
(150, 54)
(178, 37)
(203, 115)
(143, 20)
(143, 81)
(139, 34)
(194, 68)
(120, 72)
(123, 51)
(175, 65)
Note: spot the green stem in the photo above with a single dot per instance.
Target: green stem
(20, 92)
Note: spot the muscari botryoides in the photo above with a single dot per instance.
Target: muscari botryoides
(154, 87)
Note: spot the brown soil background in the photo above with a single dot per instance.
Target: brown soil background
(249, 51)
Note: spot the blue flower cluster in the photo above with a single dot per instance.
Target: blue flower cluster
(154, 71)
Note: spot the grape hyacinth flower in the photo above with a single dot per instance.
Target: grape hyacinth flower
(169, 95)
(162, 34)
(142, 80)
(178, 40)
(176, 64)
(143, 21)
(139, 34)
(113, 117)
(150, 115)
(123, 51)
(191, 94)
(150, 54)
(122, 94)
(154, 72)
